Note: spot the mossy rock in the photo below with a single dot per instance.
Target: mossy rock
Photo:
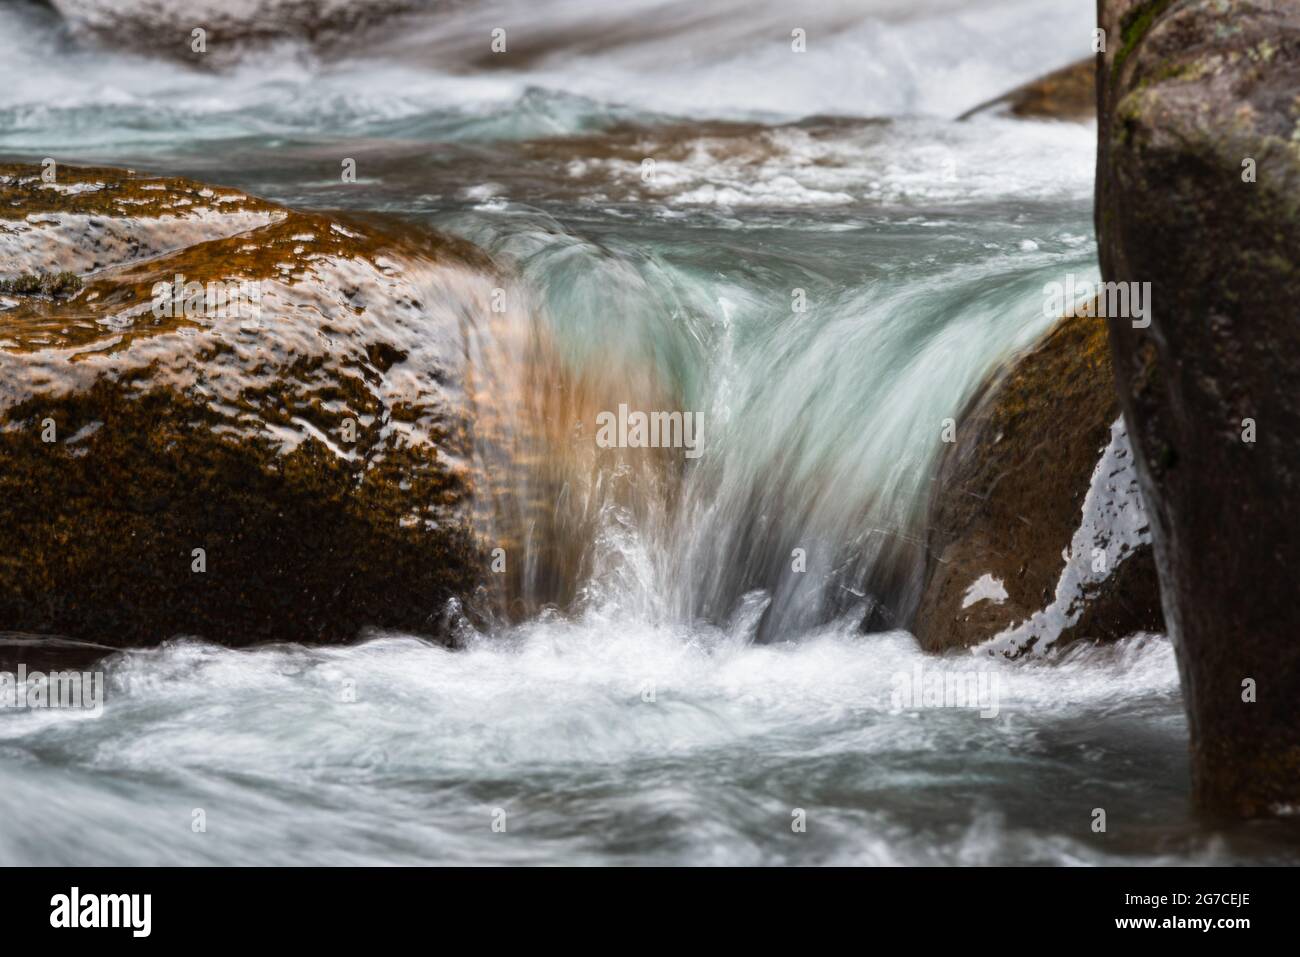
(311, 444)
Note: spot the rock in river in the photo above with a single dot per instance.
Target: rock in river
(1037, 534)
(221, 417)
(1064, 94)
(1198, 194)
(217, 31)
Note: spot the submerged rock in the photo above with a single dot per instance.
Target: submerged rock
(1037, 535)
(242, 425)
(1198, 194)
(1065, 94)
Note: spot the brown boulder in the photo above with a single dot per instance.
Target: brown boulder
(1039, 470)
(275, 455)
(1065, 94)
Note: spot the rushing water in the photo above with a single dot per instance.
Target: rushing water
(668, 688)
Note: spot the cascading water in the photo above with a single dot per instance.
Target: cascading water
(662, 684)
(822, 364)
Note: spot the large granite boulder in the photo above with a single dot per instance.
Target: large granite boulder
(224, 418)
(1198, 194)
(1036, 533)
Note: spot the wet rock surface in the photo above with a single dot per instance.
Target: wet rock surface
(1065, 94)
(1036, 534)
(1198, 193)
(165, 27)
(270, 449)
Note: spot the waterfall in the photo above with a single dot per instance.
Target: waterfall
(822, 375)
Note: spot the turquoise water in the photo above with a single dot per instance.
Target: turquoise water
(670, 689)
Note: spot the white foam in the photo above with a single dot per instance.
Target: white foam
(399, 750)
(903, 162)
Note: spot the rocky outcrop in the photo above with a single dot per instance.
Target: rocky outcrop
(1065, 94)
(167, 27)
(1040, 470)
(1198, 194)
(239, 422)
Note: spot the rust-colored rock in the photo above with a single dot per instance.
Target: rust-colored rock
(1010, 500)
(1065, 94)
(306, 435)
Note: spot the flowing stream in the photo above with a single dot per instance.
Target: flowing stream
(822, 266)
